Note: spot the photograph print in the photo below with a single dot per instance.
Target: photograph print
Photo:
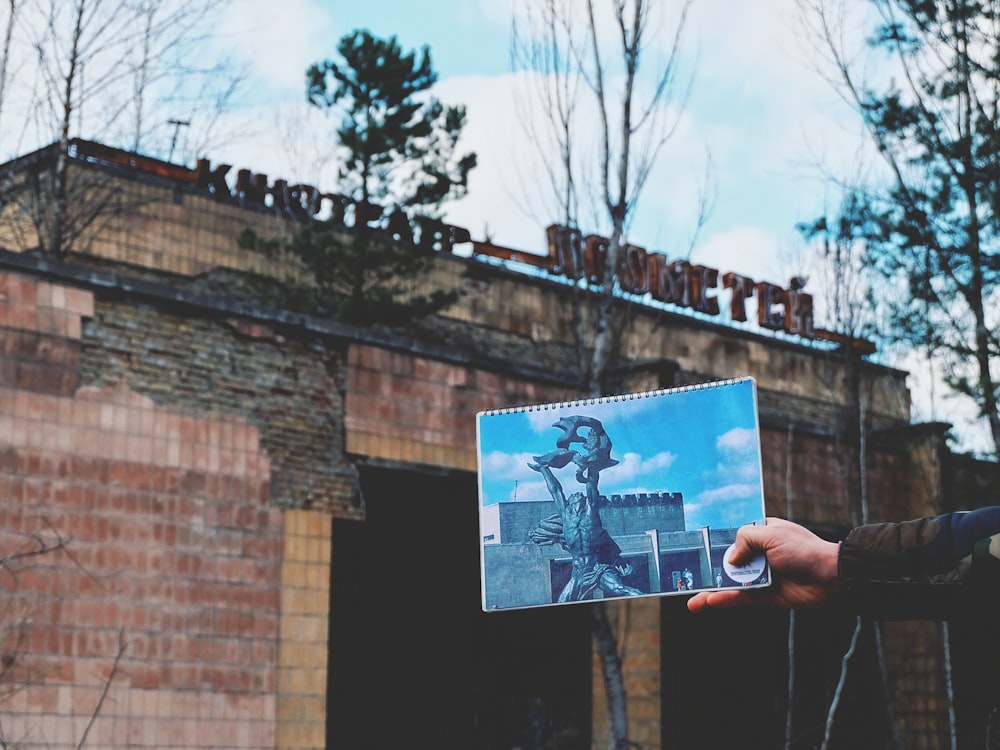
(632, 495)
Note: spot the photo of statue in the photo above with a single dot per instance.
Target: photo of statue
(632, 495)
(597, 560)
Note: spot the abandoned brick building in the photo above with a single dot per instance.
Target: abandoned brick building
(224, 524)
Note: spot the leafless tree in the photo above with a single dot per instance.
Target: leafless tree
(790, 515)
(15, 623)
(631, 136)
(853, 305)
(923, 83)
(588, 64)
(116, 71)
(5, 56)
(930, 109)
(547, 43)
(599, 115)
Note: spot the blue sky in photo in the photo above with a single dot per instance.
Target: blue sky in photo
(701, 442)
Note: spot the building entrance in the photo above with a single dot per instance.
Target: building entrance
(413, 659)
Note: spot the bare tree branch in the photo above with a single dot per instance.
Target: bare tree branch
(104, 691)
(838, 692)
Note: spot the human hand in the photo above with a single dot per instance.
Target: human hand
(803, 568)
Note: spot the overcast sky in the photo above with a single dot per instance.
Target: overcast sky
(761, 119)
(761, 127)
(757, 118)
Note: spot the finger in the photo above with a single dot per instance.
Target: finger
(698, 602)
(719, 599)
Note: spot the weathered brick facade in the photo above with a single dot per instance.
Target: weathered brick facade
(143, 555)
(189, 454)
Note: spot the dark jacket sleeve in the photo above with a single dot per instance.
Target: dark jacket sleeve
(942, 567)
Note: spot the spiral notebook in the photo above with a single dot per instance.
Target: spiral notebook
(639, 494)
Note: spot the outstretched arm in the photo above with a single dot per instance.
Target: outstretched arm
(938, 567)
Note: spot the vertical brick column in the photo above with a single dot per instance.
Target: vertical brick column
(302, 653)
(914, 657)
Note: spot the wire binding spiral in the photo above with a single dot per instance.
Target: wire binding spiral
(577, 403)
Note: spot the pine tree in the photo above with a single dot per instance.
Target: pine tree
(400, 164)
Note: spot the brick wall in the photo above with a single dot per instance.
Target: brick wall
(637, 624)
(527, 320)
(160, 534)
(284, 385)
(145, 222)
(141, 583)
(304, 406)
(402, 407)
(917, 678)
(40, 330)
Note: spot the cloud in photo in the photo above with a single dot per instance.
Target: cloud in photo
(739, 440)
(505, 464)
(728, 493)
(738, 461)
(633, 469)
(541, 421)
(278, 42)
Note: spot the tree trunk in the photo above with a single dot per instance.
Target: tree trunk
(57, 239)
(614, 680)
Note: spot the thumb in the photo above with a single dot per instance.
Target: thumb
(748, 544)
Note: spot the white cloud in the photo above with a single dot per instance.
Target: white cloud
(498, 463)
(659, 462)
(728, 493)
(528, 491)
(507, 197)
(633, 465)
(737, 440)
(541, 421)
(744, 249)
(755, 116)
(278, 41)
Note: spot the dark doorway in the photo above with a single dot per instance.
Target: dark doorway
(721, 677)
(975, 654)
(414, 661)
(725, 680)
